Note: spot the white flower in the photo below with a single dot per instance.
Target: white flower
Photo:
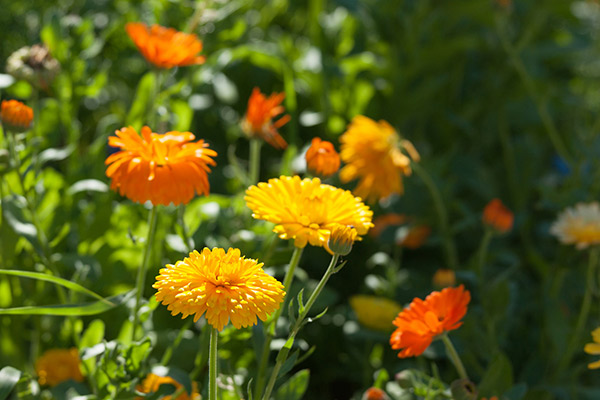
(579, 225)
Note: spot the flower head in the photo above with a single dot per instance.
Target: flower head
(225, 285)
(373, 154)
(579, 225)
(594, 348)
(341, 239)
(321, 158)
(423, 320)
(258, 121)
(165, 47)
(497, 216)
(34, 64)
(152, 383)
(307, 210)
(374, 393)
(444, 277)
(375, 312)
(58, 365)
(413, 236)
(162, 168)
(15, 115)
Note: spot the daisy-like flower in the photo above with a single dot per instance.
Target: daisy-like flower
(15, 115)
(594, 348)
(373, 153)
(375, 312)
(258, 121)
(152, 383)
(579, 225)
(423, 320)
(444, 277)
(58, 365)
(165, 47)
(321, 158)
(162, 168)
(497, 216)
(224, 285)
(374, 393)
(306, 210)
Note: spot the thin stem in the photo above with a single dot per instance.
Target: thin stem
(212, 369)
(460, 368)
(442, 215)
(169, 351)
(141, 275)
(254, 168)
(482, 253)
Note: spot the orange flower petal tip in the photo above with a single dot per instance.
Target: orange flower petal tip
(258, 121)
(497, 216)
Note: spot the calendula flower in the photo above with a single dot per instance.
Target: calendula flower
(307, 210)
(594, 348)
(341, 240)
(224, 285)
(258, 121)
(423, 320)
(579, 225)
(160, 168)
(374, 393)
(152, 383)
(15, 115)
(375, 312)
(413, 236)
(34, 64)
(444, 277)
(497, 216)
(58, 365)
(321, 158)
(165, 47)
(373, 153)
(491, 398)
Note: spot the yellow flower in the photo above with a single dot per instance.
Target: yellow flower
(594, 348)
(375, 312)
(224, 285)
(307, 210)
(579, 225)
(58, 365)
(373, 154)
(152, 383)
(341, 240)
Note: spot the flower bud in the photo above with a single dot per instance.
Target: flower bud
(341, 239)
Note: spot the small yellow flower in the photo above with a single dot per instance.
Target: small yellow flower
(594, 348)
(152, 383)
(58, 365)
(579, 225)
(375, 312)
(341, 240)
(444, 277)
(224, 285)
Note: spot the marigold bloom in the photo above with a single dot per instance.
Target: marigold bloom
(374, 393)
(594, 348)
(444, 277)
(152, 383)
(224, 285)
(58, 365)
(373, 154)
(165, 47)
(15, 115)
(414, 236)
(162, 168)
(497, 216)
(423, 320)
(491, 398)
(375, 312)
(341, 240)
(579, 225)
(321, 158)
(307, 210)
(258, 121)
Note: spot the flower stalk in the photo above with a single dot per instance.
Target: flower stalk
(453, 355)
(254, 167)
(212, 362)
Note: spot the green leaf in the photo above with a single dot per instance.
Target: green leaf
(183, 113)
(56, 280)
(498, 378)
(295, 387)
(300, 302)
(141, 103)
(137, 353)
(9, 377)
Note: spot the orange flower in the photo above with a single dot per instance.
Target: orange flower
(152, 383)
(321, 158)
(491, 398)
(384, 221)
(497, 216)
(444, 277)
(15, 115)
(162, 169)
(374, 393)
(58, 365)
(423, 320)
(415, 237)
(165, 47)
(258, 121)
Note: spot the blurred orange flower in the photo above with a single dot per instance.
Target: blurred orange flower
(165, 47)
(415, 237)
(497, 216)
(374, 393)
(160, 168)
(258, 121)
(491, 398)
(444, 277)
(321, 158)
(15, 115)
(373, 153)
(152, 383)
(58, 365)
(423, 320)
(382, 222)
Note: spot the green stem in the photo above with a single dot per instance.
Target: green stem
(482, 253)
(212, 370)
(254, 168)
(460, 368)
(169, 351)
(141, 274)
(442, 215)
(264, 357)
